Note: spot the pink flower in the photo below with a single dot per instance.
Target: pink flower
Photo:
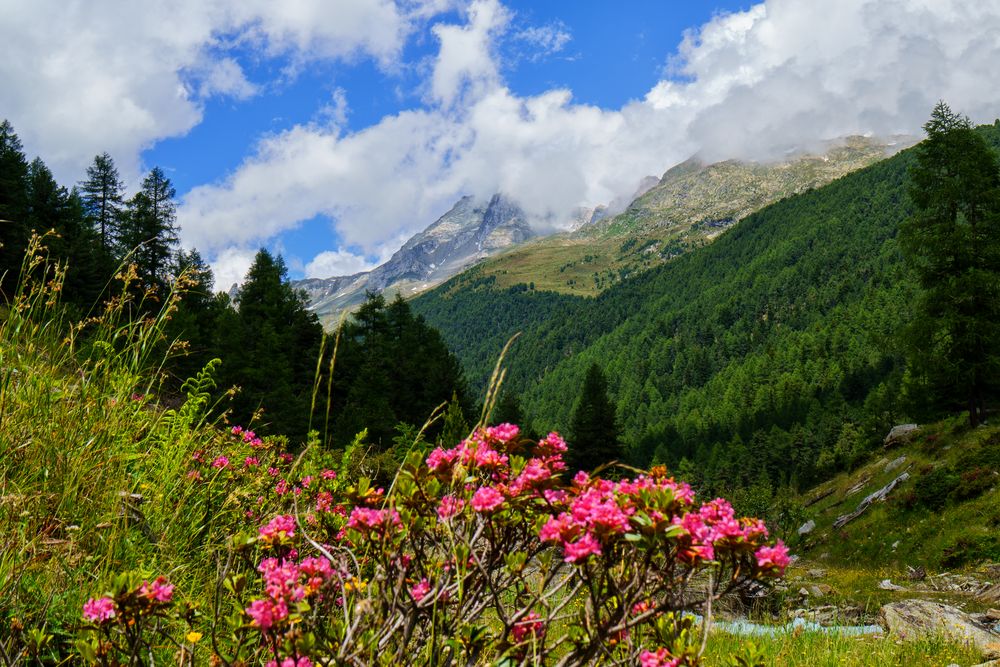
(236, 430)
(365, 519)
(329, 474)
(272, 471)
(281, 488)
(99, 610)
(158, 591)
(581, 549)
(221, 462)
(487, 499)
(503, 433)
(419, 590)
(324, 501)
(529, 627)
(250, 462)
(551, 444)
(266, 613)
(659, 658)
(581, 479)
(440, 459)
(306, 481)
(281, 527)
(773, 558)
(449, 507)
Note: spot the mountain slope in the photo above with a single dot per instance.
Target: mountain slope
(688, 207)
(749, 357)
(470, 231)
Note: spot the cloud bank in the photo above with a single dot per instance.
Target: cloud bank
(784, 74)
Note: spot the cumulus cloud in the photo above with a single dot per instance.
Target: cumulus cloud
(782, 75)
(545, 40)
(337, 263)
(82, 78)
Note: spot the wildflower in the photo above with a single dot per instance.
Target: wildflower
(366, 519)
(551, 444)
(220, 462)
(265, 613)
(306, 481)
(529, 627)
(420, 590)
(773, 558)
(158, 591)
(251, 462)
(659, 658)
(237, 430)
(503, 433)
(99, 610)
(449, 507)
(281, 488)
(581, 549)
(193, 636)
(329, 474)
(487, 499)
(281, 527)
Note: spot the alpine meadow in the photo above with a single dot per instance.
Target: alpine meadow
(490, 332)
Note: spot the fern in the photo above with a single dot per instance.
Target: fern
(175, 424)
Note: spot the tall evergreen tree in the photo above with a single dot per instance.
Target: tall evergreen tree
(149, 230)
(14, 229)
(594, 438)
(103, 194)
(952, 242)
(269, 348)
(195, 320)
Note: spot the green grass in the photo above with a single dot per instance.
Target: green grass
(812, 649)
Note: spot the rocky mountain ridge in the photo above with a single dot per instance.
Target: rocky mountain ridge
(469, 232)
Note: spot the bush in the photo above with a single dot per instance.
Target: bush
(933, 489)
(478, 552)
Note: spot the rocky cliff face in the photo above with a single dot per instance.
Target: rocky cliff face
(469, 232)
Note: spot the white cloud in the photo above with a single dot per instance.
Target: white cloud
(546, 40)
(230, 267)
(81, 78)
(337, 263)
(785, 73)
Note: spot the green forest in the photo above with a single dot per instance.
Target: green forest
(773, 355)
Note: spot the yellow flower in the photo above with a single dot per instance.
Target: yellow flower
(193, 636)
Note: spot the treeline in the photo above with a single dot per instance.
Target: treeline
(772, 356)
(391, 366)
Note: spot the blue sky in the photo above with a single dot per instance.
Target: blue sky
(606, 56)
(332, 130)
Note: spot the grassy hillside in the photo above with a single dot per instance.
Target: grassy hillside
(691, 206)
(768, 354)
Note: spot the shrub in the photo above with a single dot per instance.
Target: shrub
(478, 552)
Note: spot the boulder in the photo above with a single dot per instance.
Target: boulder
(910, 619)
(900, 434)
(807, 527)
(892, 465)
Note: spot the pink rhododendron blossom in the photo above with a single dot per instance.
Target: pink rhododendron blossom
(99, 610)
(220, 462)
(272, 471)
(265, 613)
(581, 478)
(366, 519)
(306, 481)
(329, 474)
(251, 461)
(281, 488)
(773, 558)
(419, 590)
(551, 444)
(531, 627)
(487, 499)
(449, 507)
(582, 548)
(158, 591)
(237, 430)
(280, 527)
(503, 433)
(659, 658)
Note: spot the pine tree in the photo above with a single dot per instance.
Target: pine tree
(594, 436)
(14, 229)
(952, 242)
(103, 195)
(149, 230)
(456, 426)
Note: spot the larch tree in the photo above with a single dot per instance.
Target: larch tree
(952, 243)
(594, 438)
(103, 194)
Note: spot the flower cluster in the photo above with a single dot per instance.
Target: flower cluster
(286, 583)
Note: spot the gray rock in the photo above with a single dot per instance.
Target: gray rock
(911, 619)
(900, 434)
(887, 585)
(806, 528)
(892, 465)
(816, 573)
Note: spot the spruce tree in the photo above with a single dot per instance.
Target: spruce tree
(149, 230)
(594, 436)
(952, 243)
(14, 229)
(103, 194)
